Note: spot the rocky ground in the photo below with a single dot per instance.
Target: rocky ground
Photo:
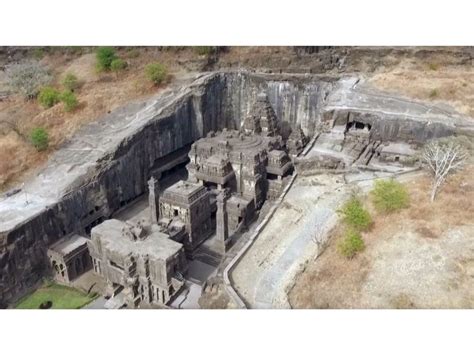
(421, 257)
(265, 272)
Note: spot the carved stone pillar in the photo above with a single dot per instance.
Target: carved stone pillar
(154, 200)
(222, 225)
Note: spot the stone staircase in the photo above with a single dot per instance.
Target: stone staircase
(367, 154)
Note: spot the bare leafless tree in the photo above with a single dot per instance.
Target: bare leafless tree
(319, 232)
(442, 157)
(10, 125)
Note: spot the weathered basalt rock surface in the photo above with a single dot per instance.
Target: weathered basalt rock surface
(107, 164)
(391, 118)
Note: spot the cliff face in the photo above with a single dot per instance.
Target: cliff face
(310, 100)
(295, 99)
(107, 164)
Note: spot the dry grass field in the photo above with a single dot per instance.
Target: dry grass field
(422, 256)
(98, 94)
(433, 80)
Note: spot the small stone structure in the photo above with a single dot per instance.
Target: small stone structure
(348, 141)
(262, 118)
(139, 261)
(69, 258)
(188, 204)
(400, 152)
(296, 141)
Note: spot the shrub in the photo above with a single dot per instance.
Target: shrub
(105, 56)
(351, 244)
(26, 78)
(156, 72)
(69, 100)
(204, 50)
(118, 65)
(48, 97)
(73, 50)
(433, 66)
(70, 82)
(389, 196)
(355, 215)
(173, 48)
(38, 53)
(434, 93)
(39, 138)
(133, 53)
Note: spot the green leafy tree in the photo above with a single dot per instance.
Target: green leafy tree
(39, 138)
(105, 56)
(48, 97)
(156, 73)
(389, 196)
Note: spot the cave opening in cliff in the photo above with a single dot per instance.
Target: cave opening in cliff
(357, 125)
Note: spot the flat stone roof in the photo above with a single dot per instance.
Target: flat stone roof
(238, 201)
(66, 246)
(217, 160)
(236, 141)
(398, 148)
(277, 153)
(183, 188)
(156, 245)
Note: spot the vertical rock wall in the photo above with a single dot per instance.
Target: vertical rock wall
(296, 101)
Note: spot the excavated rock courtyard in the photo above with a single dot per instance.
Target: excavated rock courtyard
(105, 167)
